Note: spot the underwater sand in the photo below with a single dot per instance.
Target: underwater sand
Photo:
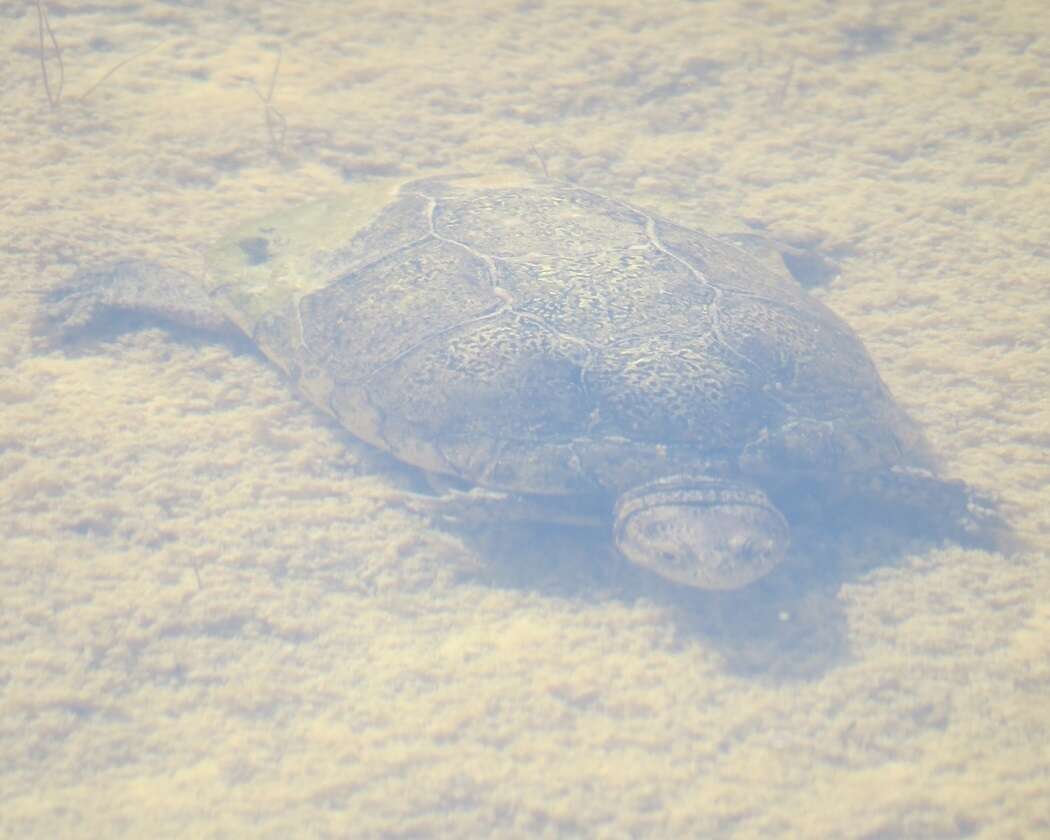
(218, 621)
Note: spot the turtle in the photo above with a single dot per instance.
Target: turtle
(546, 347)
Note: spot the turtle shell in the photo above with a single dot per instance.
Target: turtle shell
(544, 338)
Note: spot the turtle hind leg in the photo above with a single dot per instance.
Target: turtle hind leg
(122, 296)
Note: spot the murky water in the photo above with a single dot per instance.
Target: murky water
(219, 620)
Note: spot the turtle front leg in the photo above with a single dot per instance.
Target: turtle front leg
(917, 500)
(98, 297)
(481, 506)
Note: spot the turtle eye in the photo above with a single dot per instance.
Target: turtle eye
(672, 559)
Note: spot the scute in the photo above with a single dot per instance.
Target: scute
(607, 296)
(505, 377)
(539, 222)
(369, 317)
(676, 389)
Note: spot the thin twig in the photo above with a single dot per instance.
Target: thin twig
(115, 68)
(780, 96)
(276, 125)
(539, 157)
(273, 77)
(44, 25)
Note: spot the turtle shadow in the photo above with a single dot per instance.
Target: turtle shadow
(789, 627)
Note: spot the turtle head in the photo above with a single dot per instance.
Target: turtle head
(701, 532)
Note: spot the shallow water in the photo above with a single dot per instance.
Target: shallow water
(218, 620)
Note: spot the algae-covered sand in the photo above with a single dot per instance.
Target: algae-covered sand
(217, 618)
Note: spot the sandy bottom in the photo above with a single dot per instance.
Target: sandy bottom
(218, 621)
